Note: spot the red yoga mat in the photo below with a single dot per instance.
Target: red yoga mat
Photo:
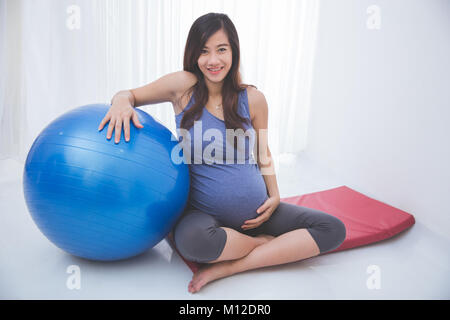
(367, 220)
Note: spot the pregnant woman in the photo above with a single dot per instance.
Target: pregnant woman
(234, 220)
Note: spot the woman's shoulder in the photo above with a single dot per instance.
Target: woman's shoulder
(255, 99)
(186, 80)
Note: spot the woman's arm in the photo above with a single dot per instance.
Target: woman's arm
(259, 115)
(164, 89)
(271, 179)
(260, 111)
(161, 90)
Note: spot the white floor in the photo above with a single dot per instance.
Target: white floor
(412, 265)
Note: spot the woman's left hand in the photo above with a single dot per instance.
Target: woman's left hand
(265, 211)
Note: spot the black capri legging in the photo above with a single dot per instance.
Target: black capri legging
(199, 237)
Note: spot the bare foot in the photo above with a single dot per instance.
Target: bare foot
(217, 270)
(207, 274)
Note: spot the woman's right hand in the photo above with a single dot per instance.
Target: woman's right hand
(119, 115)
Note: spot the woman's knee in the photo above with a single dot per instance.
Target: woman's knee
(198, 243)
(329, 234)
(339, 231)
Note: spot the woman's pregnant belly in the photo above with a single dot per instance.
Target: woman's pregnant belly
(231, 193)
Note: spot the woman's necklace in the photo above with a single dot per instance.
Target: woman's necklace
(217, 107)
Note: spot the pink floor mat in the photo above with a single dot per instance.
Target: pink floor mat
(367, 220)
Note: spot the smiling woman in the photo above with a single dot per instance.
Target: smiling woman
(234, 219)
(230, 189)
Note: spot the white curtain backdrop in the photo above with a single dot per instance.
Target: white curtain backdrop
(60, 54)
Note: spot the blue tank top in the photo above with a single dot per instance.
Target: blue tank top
(225, 182)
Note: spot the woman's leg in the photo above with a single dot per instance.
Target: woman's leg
(300, 233)
(238, 245)
(308, 233)
(327, 231)
(199, 237)
(289, 247)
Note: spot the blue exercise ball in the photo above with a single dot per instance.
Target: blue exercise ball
(100, 200)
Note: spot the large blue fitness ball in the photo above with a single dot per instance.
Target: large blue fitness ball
(99, 200)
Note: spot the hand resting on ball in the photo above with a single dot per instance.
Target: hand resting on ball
(119, 114)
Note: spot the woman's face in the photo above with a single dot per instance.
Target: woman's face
(216, 54)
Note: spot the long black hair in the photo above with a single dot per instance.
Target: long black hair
(201, 30)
